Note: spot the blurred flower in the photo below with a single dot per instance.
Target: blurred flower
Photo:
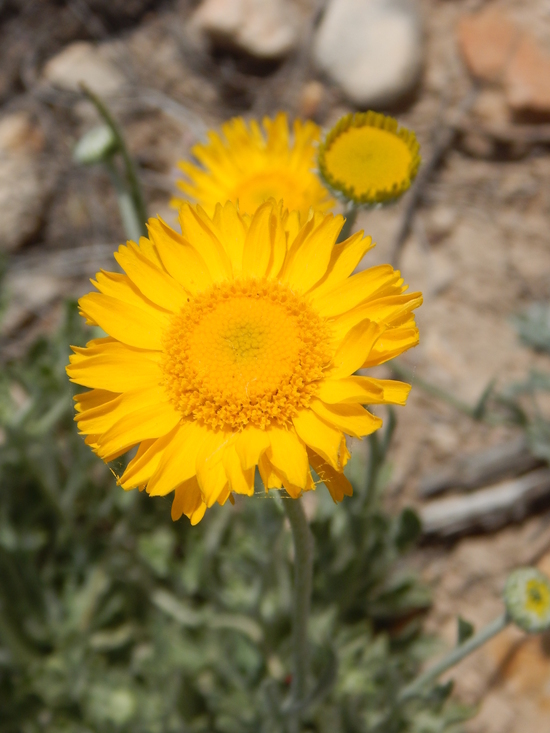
(367, 159)
(248, 165)
(233, 345)
(527, 598)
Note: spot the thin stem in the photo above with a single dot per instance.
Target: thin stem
(454, 657)
(136, 196)
(303, 576)
(351, 216)
(128, 213)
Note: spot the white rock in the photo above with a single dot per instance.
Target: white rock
(263, 28)
(84, 62)
(23, 187)
(373, 49)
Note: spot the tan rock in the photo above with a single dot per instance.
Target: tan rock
(527, 80)
(84, 62)
(486, 41)
(19, 135)
(262, 28)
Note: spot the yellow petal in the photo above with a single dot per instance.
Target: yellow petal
(391, 311)
(392, 343)
(355, 349)
(321, 437)
(211, 473)
(140, 327)
(288, 455)
(144, 464)
(364, 390)
(296, 491)
(278, 246)
(151, 421)
(93, 398)
(231, 232)
(240, 481)
(197, 229)
(251, 443)
(394, 392)
(306, 264)
(335, 481)
(292, 225)
(350, 389)
(258, 243)
(188, 501)
(116, 367)
(181, 261)
(102, 417)
(343, 260)
(152, 281)
(120, 286)
(269, 477)
(383, 280)
(148, 250)
(352, 419)
(179, 459)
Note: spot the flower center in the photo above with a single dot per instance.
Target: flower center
(245, 352)
(259, 187)
(538, 598)
(367, 158)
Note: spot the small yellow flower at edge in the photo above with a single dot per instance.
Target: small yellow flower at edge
(233, 346)
(367, 159)
(248, 165)
(527, 598)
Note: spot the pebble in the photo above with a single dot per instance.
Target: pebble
(527, 78)
(486, 41)
(497, 51)
(266, 29)
(311, 99)
(87, 63)
(373, 49)
(24, 189)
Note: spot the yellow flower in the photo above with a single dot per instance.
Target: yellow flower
(367, 159)
(527, 598)
(243, 164)
(233, 345)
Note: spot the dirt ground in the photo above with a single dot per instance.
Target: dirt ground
(478, 250)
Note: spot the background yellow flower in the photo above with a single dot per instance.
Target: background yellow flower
(234, 345)
(250, 165)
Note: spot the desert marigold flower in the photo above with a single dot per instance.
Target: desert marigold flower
(248, 165)
(527, 598)
(233, 346)
(368, 159)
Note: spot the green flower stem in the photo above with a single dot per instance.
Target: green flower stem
(454, 657)
(351, 217)
(134, 193)
(303, 577)
(131, 222)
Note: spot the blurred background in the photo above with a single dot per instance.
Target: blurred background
(472, 79)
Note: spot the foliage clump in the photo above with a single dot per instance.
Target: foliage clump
(114, 619)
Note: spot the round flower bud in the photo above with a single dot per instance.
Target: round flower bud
(527, 599)
(367, 159)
